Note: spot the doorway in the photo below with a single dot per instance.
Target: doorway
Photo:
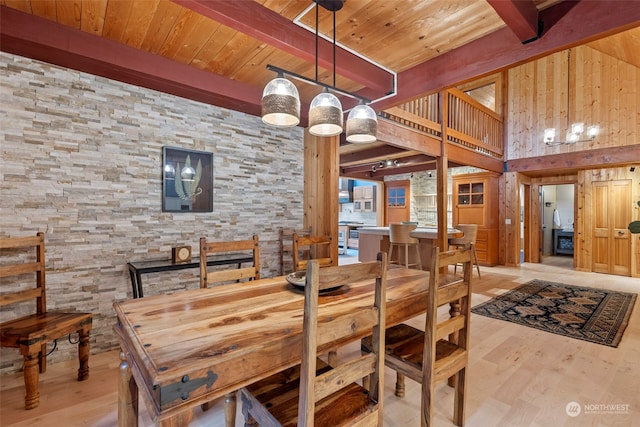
(557, 215)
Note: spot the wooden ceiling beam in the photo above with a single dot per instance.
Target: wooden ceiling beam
(568, 162)
(373, 153)
(521, 16)
(30, 36)
(261, 23)
(584, 22)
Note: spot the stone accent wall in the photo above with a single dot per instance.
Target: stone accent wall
(81, 160)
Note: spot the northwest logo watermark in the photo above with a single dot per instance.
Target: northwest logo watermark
(573, 409)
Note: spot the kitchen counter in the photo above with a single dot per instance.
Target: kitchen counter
(376, 239)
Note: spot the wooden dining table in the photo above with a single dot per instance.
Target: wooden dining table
(185, 349)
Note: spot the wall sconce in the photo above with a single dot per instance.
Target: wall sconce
(573, 136)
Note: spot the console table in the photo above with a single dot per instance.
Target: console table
(138, 268)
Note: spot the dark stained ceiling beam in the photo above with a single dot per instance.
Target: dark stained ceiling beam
(261, 23)
(373, 153)
(585, 21)
(521, 16)
(403, 162)
(30, 36)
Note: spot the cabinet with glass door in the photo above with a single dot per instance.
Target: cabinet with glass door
(476, 202)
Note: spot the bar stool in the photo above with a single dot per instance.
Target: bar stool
(469, 239)
(399, 237)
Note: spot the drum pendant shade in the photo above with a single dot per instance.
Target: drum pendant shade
(325, 115)
(280, 103)
(362, 125)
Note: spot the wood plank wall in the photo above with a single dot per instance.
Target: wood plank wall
(604, 91)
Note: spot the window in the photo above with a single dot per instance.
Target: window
(471, 194)
(396, 197)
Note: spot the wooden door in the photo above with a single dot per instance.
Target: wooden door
(397, 201)
(611, 237)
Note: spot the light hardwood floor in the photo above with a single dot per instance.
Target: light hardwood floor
(518, 376)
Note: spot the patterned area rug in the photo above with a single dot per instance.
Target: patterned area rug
(595, 315)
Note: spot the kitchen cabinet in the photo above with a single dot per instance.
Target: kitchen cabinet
(475, 198)
(364, 198)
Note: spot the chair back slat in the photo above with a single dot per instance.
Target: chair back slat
(18, 269)
(208, 278)
(234, 274)
(20, 296)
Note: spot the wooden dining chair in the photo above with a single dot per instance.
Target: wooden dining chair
(400, 239)
(314, 393)
(311, 247)
(286, 247)
(428, 357)
(228, 275)
(31, 332)
(219, 276)
(306, 247)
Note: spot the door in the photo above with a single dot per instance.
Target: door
(611, 237)
(397, 201)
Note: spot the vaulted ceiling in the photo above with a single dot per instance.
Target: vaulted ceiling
(389, 51)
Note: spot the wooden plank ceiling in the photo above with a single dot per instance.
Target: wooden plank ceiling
(388, 51)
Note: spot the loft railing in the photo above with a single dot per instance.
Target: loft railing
(468, 122)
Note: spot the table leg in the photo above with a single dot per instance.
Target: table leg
(139, 280)
(134, 284)
(230, 405)
(127, 395)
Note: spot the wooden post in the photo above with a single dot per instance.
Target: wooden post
(442, 176)
(321, 173)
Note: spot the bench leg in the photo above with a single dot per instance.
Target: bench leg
(31, 377)
(83, 355)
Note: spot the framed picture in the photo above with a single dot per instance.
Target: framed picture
(187, 180)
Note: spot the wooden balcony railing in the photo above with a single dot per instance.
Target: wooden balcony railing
(468, 122)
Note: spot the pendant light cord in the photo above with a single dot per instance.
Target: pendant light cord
(334, 48)
(568, 87)
(316, 41)
(334, 45)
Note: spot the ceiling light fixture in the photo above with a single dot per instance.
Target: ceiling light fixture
(280, 103)
(576, 130)
(325, 111)
(362, 125)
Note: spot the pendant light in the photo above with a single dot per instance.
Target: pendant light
(325, 111)
(362, 125)
(280, 103)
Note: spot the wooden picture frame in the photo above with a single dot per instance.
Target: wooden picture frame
(187, 180)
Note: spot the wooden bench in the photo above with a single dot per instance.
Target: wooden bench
(32, 332)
